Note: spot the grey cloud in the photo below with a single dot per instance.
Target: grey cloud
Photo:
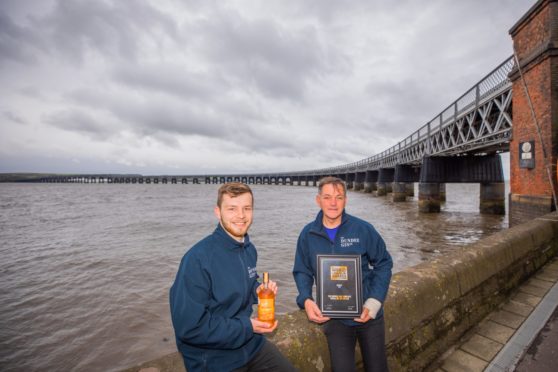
(170, 79)
(182, 121)
(75, 27)
(164, 118)
(80, 122)
(155, 117)
(18, 44)
(299, 84)
(328, 11)
(276, 60)
(32, 92)
(14, 117)
(412, 105)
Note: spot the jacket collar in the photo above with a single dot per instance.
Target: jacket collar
(228, 240)
(318, 225)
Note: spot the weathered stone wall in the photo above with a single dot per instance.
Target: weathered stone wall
(535, 39)
(433, 304)
(430, 305)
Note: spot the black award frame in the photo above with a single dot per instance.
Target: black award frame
(339, 285)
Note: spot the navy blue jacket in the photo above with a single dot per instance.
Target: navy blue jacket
(354, 236)
(211, 303)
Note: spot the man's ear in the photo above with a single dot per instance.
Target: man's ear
(217, 212)
(318, 200)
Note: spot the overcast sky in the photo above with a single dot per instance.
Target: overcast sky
(192, 87)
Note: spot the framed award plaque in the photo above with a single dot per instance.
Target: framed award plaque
(339, 285)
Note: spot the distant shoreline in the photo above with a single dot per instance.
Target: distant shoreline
(26, 177)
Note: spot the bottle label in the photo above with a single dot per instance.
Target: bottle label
(266, 309)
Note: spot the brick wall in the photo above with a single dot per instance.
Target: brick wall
(535, 39)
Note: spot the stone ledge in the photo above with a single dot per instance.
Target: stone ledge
(431, 305)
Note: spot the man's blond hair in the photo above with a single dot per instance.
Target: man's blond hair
(233, 189)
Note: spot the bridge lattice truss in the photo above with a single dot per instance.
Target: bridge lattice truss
(477, 122)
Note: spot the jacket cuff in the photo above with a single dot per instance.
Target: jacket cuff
(247, 323)
(373, 307)
(302, 299)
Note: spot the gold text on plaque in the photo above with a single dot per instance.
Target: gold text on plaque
(339, 297)
(338, 273)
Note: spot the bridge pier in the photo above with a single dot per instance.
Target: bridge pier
(442, 192)
(359, 181)
(349, 181)
(437, 171)
(399, 192)
(385, 181)
(403, 181)
(370, 187)
(534, 144)
(381, 189)
(370, 180)
(410, 189)
(492, 198)
(429, 197)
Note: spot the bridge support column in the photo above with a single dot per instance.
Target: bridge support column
(429, 197)
(359, 181)
(385, 181)
(492, 198)
(369, 186)
(399, 191)
(381, 189)
(442, 192)
(532, 162)
(410, 189)
(370, 180)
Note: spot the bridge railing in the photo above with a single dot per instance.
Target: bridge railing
(491, 85)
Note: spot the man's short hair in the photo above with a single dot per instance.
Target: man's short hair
(335, 181)
(233, 189)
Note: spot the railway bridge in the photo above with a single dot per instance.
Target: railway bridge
(514, 109)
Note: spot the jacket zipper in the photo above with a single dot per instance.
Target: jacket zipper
(244, 272)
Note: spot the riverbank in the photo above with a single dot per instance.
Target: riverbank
(431, 305)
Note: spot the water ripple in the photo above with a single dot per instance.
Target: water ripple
(86, 269)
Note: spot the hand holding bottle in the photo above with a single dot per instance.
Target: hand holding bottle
(263, 327)
(271, 285)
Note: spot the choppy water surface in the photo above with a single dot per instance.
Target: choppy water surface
(86, 268)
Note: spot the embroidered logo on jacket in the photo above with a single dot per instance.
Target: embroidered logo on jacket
(251, 272)
(349, 242)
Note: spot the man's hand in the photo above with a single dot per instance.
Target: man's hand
(364, 317)
(271, 285)
(313, 312)
(263, 327)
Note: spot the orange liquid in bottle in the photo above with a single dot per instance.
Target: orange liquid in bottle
(266, 302)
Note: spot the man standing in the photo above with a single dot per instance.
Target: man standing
(213, 293)
(336, 232)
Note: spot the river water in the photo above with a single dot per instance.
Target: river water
(85, 268)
